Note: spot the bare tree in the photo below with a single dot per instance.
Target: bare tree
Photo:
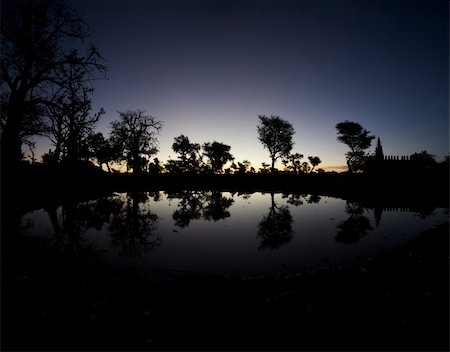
(276, 135)
(38, 40)
(71, 120)
(135, 136)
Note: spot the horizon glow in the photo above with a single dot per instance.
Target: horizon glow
(208, 69)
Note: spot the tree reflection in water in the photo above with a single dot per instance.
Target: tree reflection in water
(195, 205)
(275, 228)
(216, 207)
(299, 198)
(133, 228)
(355, 227)
(75, 219)
(189, 207)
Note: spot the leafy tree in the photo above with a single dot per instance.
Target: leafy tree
(285, 163)
(276, 135)
(423, 160)
(295, 162)
(155, 167)
(218, 154)
(314, 160)
(357, 139)
(189, 159)
(265, 168)
(101, 149)
(243, 167)
(40, 41)
(135, 136)
(305, 167)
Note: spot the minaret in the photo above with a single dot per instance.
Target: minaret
(379, 151)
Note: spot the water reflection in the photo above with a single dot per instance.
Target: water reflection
(69, 228)
(194, 205)
(133, 228)
(355, 227)
(220, 231)
(275, 228)
(298, 199)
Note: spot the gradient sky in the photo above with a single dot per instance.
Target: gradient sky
(208, 68)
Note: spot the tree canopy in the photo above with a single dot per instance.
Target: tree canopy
(276, 135)
(189, 159)
(357, 139)
(218, 154)
(135, 136)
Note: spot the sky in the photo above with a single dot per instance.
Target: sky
(207, 69)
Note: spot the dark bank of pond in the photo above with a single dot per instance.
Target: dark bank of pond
(244, 234)
(70, 301)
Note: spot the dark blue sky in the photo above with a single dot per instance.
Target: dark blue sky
(208, 68)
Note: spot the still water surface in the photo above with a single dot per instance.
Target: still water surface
(227, 233)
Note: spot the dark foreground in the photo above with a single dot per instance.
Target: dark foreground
(69, 301)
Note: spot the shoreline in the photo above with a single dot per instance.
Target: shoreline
(396, 190)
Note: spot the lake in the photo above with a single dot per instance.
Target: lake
(226, 233)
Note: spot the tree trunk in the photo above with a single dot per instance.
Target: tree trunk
(11, 152)
(272, 170)
(349, 165)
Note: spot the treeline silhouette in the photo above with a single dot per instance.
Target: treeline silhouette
(47, 91)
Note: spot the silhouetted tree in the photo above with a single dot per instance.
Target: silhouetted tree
(355, 227)
(275, 228)
(276, 135)
(243, 167)
(314, 160)
(218, 155)
(423, 161)
(265, 168)
(155, 167)
(304, 167)
(101, 149)
(189, 159)
(40, 41)
(357, 139)
(295, 162)
(71, 120)
(135, 136)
